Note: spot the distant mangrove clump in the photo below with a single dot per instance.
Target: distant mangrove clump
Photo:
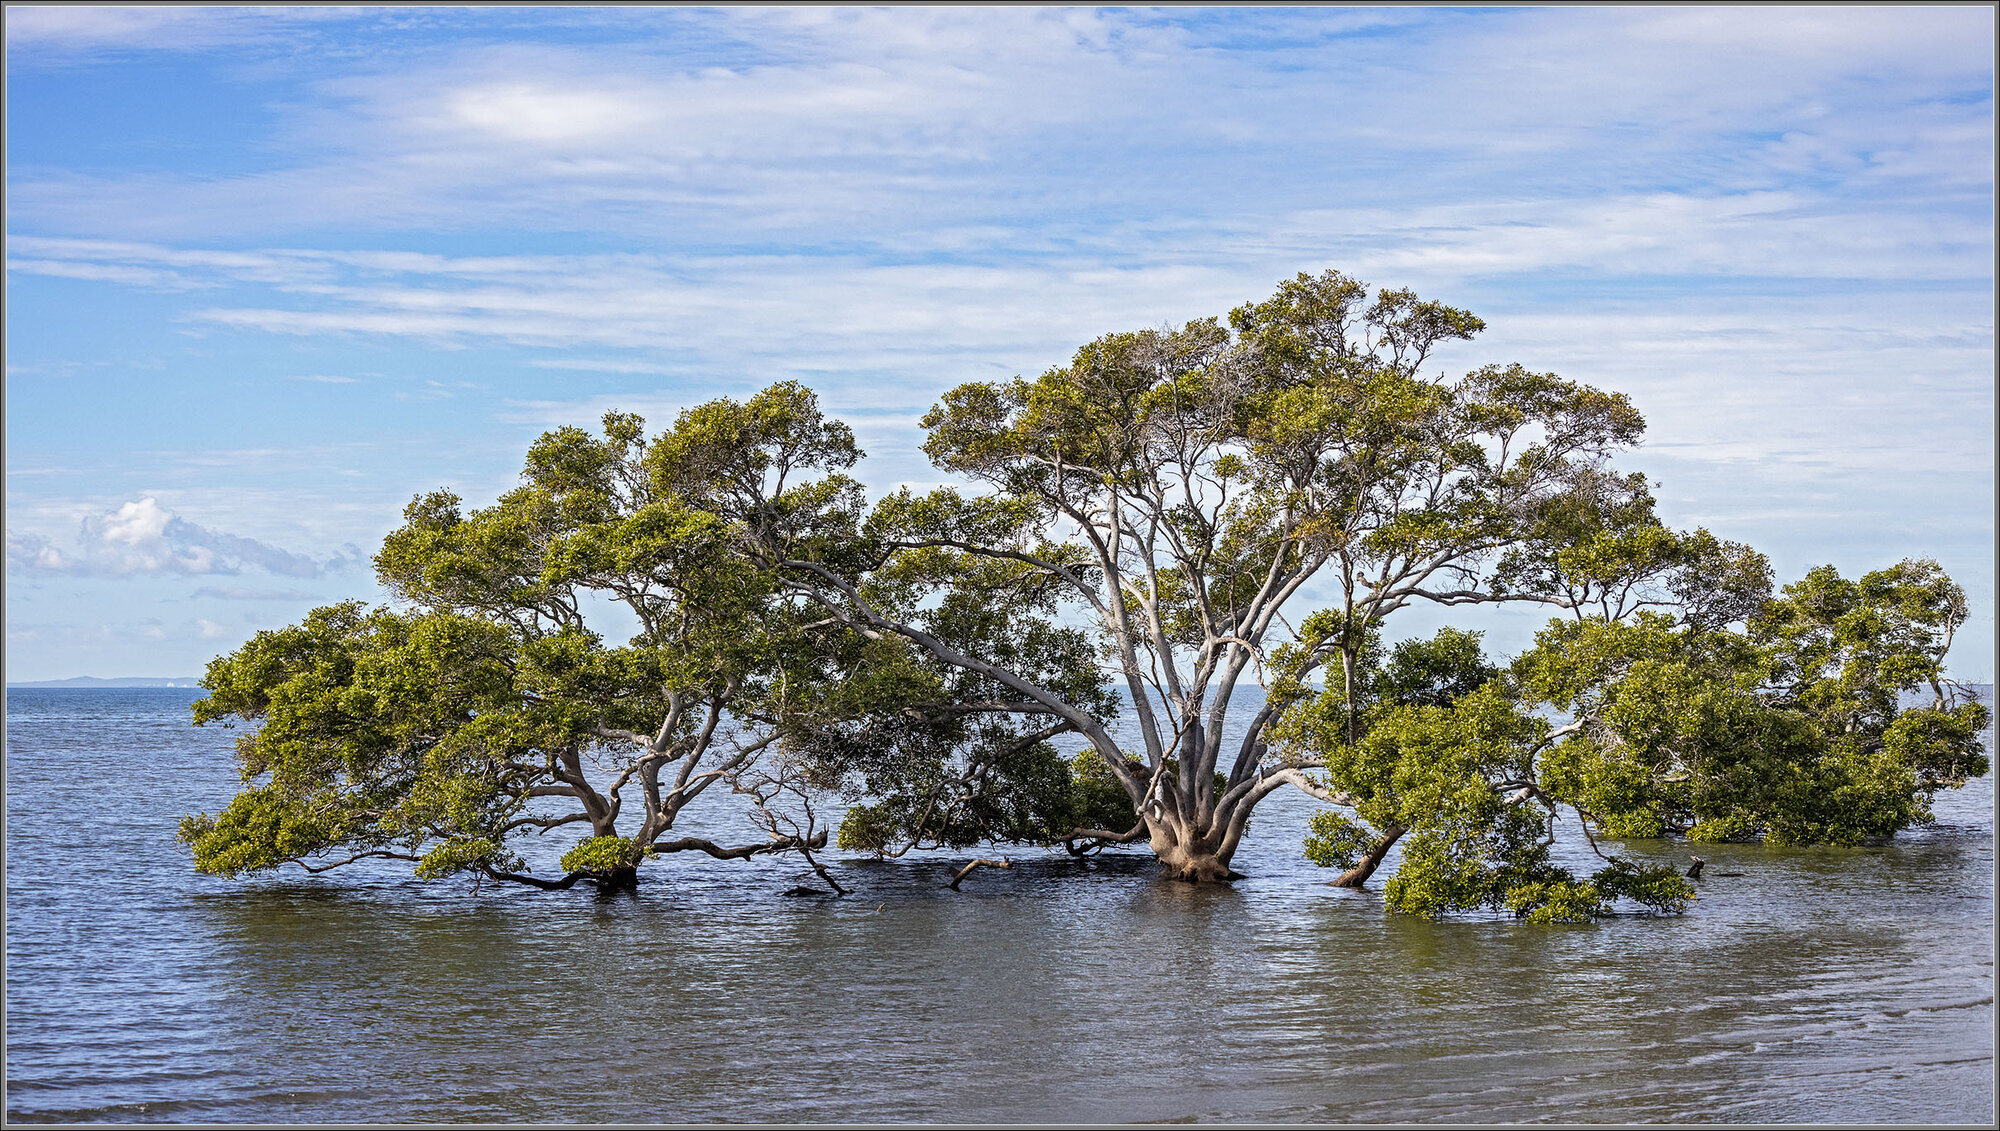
(1173, 516)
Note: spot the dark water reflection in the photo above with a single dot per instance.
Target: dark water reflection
(1847, 986)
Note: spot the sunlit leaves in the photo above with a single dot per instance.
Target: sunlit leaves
(1440, 754)
(1797, 728)
(429, 728)
(730, 456)
(1334, 840)
(604, 855)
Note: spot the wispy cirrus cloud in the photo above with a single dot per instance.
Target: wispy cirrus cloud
(1771, 226)
(598, 365)
(245, 593)
(902, 125)
(74, 32)
(1766, 234)
(1708, 371)
(761, 303)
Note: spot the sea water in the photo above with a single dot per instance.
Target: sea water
(1849, 985)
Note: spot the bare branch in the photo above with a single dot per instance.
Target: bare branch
(316, 869)
(543, 823)
(742, 852)
(1098, 838)
(959, 876)
(564, 884)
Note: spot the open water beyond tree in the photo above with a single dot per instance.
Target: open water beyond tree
(1823, 985)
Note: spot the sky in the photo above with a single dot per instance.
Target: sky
(273, 272)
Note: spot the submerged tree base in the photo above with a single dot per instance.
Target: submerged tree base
(1195, 867)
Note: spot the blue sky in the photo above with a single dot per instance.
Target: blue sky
(272, 272)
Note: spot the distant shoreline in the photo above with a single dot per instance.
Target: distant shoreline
(91, 681)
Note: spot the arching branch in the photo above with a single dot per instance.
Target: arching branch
(958, 877)
(385, 854)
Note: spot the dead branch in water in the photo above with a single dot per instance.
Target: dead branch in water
(960, 875)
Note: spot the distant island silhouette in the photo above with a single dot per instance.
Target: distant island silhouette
(121, 681)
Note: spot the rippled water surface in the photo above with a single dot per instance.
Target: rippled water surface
(1850, 986)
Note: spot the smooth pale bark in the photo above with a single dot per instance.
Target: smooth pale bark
(958, 877)
(1372, 859)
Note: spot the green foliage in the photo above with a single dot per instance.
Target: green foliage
(1334, 840)
(430, 731)
(1793, 729)
(1437, 672)
(1024, 796)
(378, 731)
(1096, 799)
(259, 829)
(1446, 764)
(1043, 805)
(939, 754)
(1432, 720)
(1598, 548)
(460, 854)
(603, 855)
(870, 828)
(1557, 901)
(1662, 890)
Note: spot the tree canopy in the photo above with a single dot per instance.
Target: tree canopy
(1172, 517)
(428, 732)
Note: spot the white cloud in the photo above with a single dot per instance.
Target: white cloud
(141, 537)
(132, 524)
(37, 30)
(542, 113)
(762, 303)
(157, 267)
(898, 124)
(106, 25)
